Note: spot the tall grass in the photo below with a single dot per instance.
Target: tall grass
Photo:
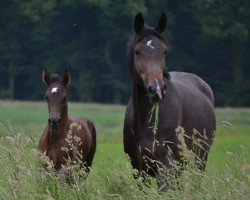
(22, 177)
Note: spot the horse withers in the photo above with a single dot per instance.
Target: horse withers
(65, 141)
(184, 100)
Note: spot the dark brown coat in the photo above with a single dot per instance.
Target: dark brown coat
(55, 141)
(185, 100)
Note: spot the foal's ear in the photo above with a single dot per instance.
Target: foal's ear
(66, 78)
(138, 22)
(45, 77)
(162, 23)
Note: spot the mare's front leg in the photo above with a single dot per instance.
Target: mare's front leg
(142, 179)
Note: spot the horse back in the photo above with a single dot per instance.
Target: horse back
(191, 83)
(197, 102)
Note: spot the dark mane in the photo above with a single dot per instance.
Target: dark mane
(54, 78)
(146, 32)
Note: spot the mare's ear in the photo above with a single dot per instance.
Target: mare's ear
(138, 22)
(66, 78)
(162, 23)
(46, 77)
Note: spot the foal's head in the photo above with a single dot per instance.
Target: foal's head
(148, 51)
(56, 96)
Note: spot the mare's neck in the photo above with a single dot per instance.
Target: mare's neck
(141, 104)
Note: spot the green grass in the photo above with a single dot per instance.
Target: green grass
(111, 175)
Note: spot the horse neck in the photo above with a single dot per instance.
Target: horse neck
(141, 104)
(55, 134)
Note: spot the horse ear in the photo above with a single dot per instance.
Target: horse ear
(138, 22)
(66, 78)
(162, 23)
(46, 77)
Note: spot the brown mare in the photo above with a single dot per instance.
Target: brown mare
(185, 100)
(53, 139)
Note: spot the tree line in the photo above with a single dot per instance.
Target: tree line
(88, 37)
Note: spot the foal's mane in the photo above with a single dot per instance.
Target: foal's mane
(145, 32)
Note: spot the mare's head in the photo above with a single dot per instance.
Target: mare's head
(146, 55)
(56, 96)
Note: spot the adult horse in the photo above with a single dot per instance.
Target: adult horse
(184, 100)
(65, 141)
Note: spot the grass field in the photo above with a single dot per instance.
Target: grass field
(227, 175)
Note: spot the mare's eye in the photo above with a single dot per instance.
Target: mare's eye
(137, 52)
(64, 99)
(46, 97)
(165, 52)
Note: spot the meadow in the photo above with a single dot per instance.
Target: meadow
(21, 177)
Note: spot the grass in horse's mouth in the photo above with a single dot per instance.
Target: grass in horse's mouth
(154, 113)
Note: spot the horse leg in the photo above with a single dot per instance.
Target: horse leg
(141, 179)
(92, 148)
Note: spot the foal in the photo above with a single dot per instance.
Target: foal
(65, 139)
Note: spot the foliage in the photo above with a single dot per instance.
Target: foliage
(209, 38)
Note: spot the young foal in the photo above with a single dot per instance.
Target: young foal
(55, 141)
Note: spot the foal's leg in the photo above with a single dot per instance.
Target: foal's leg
(64, 172)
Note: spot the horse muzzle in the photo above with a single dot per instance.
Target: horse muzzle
(54, 123)
(156, 93)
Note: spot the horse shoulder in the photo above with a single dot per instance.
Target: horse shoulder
(197, 102)
(128, 134)
(192, 84)
(129, 116)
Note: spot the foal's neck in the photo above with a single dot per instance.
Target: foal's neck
(63, 125)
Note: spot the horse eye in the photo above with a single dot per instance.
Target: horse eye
(64, 99)
(137, 52)
(165, 52)
(46, 97)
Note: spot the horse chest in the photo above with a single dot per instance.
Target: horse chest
(56, 154)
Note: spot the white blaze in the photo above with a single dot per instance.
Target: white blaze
(149, 43)
(54, 89)
(158, 87)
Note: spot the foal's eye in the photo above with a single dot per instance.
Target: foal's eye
(46, 97)
(64, 99)
(165, 52)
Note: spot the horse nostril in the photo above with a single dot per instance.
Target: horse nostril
(54, 123)
(151, 89)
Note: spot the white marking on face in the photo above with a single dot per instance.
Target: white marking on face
(149, 43)
(54, 89)
(158, 87)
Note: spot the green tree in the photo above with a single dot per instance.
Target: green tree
(229, 21)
